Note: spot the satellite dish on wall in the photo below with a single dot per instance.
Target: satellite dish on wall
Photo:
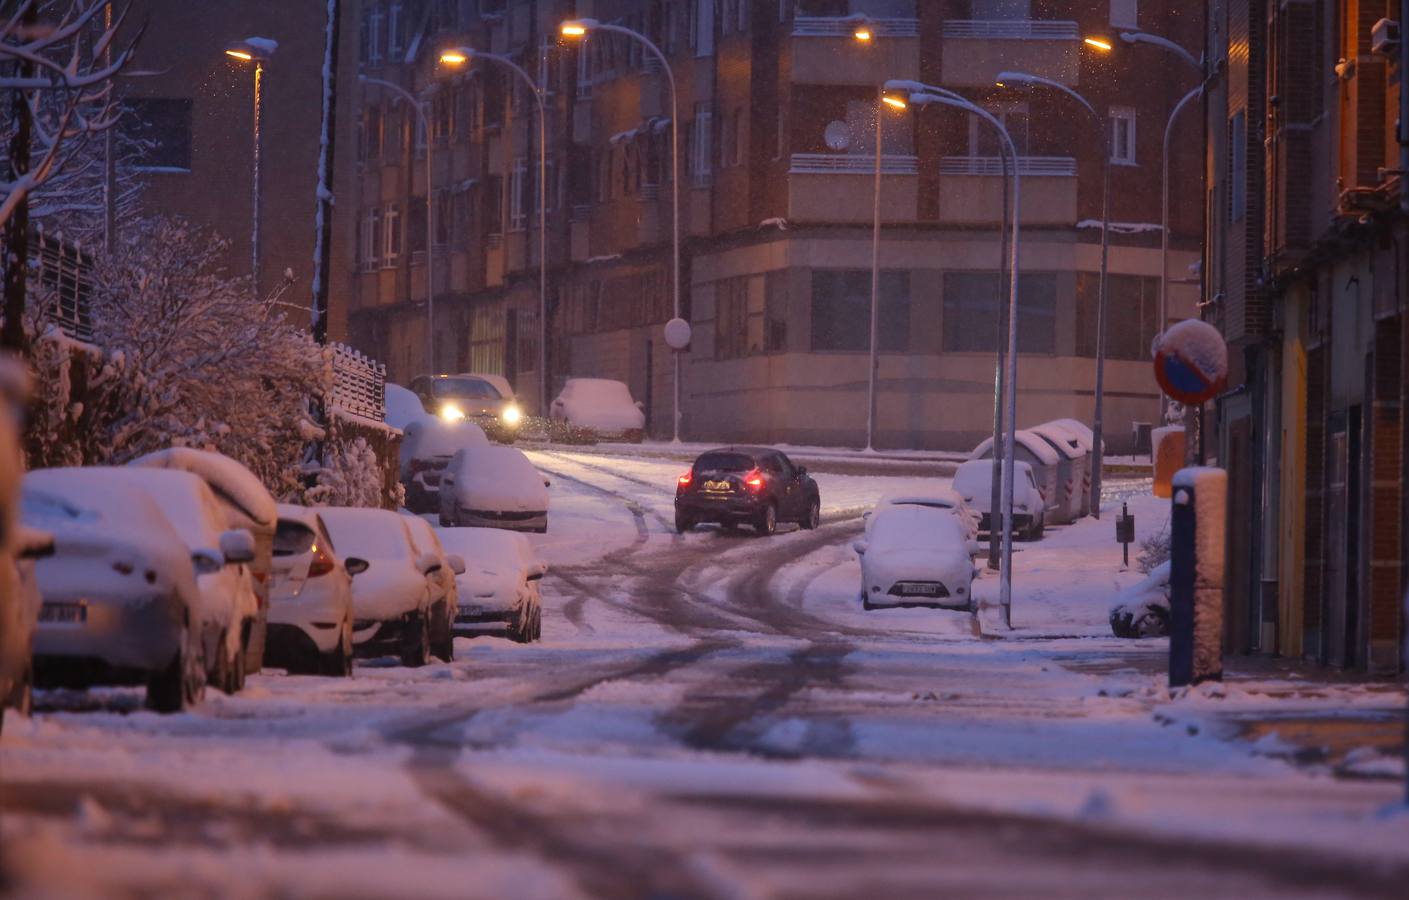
(837, 135)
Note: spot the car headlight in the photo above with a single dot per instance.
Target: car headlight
(451, 413)
(511, 415)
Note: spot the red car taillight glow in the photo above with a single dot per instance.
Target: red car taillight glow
(686, 479)
(754, 480)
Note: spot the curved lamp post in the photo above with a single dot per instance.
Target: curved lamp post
(882, 102)
(460, 56)
(1097, 422)
(577, 28)
(259, 51)
(920, 93)
(419, 107)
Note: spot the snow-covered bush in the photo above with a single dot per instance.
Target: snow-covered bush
(350, 473)
(1154, 550)
(1142, 610)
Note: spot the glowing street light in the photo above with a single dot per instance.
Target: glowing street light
(1099, 44)
(258, 51)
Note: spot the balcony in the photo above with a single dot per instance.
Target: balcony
(976, 50)
(840, 187)
(971, 189)
(824, 50)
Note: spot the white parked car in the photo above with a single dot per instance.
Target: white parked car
(246, 504)
(934, 497)
(916, 556)
(403, 407)
(221, 556)
(117, 592)
(602, 405)
(500, 583)
(426, 448)
(974, 482)
(310, 606)
(443, 586)
(391, 600)
(494, 487)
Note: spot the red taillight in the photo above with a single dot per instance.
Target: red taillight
(322, 563)
(754, 480)
(686, 479)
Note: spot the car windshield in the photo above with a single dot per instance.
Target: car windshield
(464, 387)
(36, 505)
(368, 534)
(724, 462)
(292, 538)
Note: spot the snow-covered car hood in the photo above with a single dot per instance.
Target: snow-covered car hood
(491, 586)
(483, 491)
(389, 589)
(885, 567)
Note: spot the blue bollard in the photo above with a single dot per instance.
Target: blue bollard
(1196, 552)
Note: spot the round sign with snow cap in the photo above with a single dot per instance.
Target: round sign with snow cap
(1191, 362)
(677, 334)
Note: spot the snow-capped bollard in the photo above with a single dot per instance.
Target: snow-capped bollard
(1196, 551)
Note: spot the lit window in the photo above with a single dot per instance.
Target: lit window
(1123, 135)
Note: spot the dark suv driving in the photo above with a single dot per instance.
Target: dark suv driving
(746, 486)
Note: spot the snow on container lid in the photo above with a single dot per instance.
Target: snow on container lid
(1028, 441)
(230, 480)
(1080, 429)
(1061, 438)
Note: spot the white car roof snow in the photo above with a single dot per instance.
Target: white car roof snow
(229, 480)
(915, 528)
(977, 475)
(403, 407)
(367, 533)
(430, 436)
(185, 500)
(488, 545)
(931, 496)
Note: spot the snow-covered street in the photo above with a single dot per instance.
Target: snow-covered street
(713, 714)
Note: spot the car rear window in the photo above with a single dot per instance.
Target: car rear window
(469, 388)
(724, 462)
(292, 538)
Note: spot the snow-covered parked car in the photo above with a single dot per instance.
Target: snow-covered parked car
(1142, 610)
(1054, 485)
(443, 586)
(118, 591)
(391, 599)
(935, 497)
(246, 505)
(403, 407)
(493, 487)
(916, 556)
(603, 406)
(310, 603)
(500, 583)
(426, 447)
(974, 482)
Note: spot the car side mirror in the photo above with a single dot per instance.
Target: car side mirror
(801, 471)
(866, 514)
(547, 483)
(457, 563)
(237, 546)
(860, 548)
(355, 566)
(207, 561)
(641, 406)
(428, 563)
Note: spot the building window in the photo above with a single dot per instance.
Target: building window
(375, 20)
(1123, 135)
(1000, 9)
(416, 228)
(392, 225)
(161, 128)
(780, 147)
(972, 301)
(740, 138)
(841, 310)
(395, 31)
(1237, 166)
(984, 141)
(372, 239)
(444, 213)
(1125, 13)
(518, 218)
(700, 169)
(1132, 308)
(373, 132)
(775, 311)
(731, 318)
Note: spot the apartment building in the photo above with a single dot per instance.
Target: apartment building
(776, 106)
(1307, 242)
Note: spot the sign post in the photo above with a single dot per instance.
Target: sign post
(1125, 531)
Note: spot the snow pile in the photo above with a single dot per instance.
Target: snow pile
(1143, 610)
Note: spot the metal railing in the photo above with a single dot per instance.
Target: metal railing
(1012, 29)
(845, 26)
(1050, 166)
(359, 383)
(67, 273)
(852, 164)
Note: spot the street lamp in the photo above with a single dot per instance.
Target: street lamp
(884, 100)
(419, 107)
(259, 51)
(576, 28)
(460, 56)
(920, 93)
(1098, 420)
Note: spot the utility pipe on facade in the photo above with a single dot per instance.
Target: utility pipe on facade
(461, 56)
(419, 107)
(577, 28)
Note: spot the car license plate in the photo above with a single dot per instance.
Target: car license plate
(471, 610)
(64, 613)
(718, 487)
(920, 590)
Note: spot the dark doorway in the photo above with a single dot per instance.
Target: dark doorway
(1342, 537)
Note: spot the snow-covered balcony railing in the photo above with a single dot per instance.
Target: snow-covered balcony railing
(845, 26)
(359, 383)
(852, 164)
(66, 272)
(1011, 29)
(1028, 166)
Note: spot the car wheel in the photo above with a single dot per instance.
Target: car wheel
(538, 625)
(522, 630)
(1041, 528)
(179, 686)
(415, 643)
(866, 601)
(443, 647)
(682, 523)
(237, 673)
(813, 517)
(767, 523)
(21, 698)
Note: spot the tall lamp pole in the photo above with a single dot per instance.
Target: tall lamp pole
(882, 101)
(258, 51)
(920, 93)
(419, 107)
(458, 57)
(577, 28)
(1102, 299)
